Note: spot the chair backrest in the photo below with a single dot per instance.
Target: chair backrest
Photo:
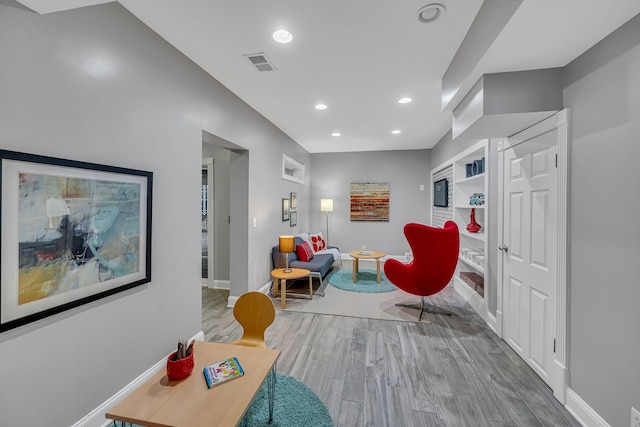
(255, 312)
(435, 255)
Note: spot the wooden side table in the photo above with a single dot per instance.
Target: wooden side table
(281, 278)
(365, 254)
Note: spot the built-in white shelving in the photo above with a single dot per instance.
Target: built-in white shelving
(469, 278)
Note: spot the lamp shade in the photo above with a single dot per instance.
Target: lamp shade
(287, 244)
(326, 205)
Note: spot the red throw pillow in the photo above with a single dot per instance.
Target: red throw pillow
(304, 252)
(318, 242)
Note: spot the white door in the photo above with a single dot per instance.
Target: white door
(529, 251)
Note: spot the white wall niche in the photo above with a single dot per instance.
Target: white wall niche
(292, 170)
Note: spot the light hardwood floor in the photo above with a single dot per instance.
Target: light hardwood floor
(452, 372)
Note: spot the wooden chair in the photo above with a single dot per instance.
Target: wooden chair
(255, 312)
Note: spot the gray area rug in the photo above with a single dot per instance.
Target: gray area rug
(381, 306)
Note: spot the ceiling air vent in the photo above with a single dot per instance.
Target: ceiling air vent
(260, 61)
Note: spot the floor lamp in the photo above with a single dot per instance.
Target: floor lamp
(326, 205)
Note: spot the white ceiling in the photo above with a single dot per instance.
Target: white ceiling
(360, 56)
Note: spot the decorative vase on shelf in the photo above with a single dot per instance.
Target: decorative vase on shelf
(473, 226)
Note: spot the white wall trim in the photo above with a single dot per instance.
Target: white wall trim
(221, 284)
(231, 301)
(96, 417)
(492, 321)
(207, 163)
(583, 412)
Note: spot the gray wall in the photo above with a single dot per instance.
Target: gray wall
(602, 88)
(405, 171)
(95, 84)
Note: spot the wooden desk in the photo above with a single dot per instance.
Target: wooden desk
(358, 254)
(160, 402)
(281, 281)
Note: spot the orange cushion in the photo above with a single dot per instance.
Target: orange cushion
(304, 252)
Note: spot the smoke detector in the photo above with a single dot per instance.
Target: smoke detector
(431, 12)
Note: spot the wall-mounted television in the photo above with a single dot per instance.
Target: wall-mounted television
(441, 193)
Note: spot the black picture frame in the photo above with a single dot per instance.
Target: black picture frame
(293, 220)
(441, 193)
(72, 233)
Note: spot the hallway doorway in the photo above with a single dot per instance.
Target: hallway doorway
(227, 214)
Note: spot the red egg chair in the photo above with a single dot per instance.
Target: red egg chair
(435, 254)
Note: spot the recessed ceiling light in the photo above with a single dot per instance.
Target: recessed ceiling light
(404, 100)
(321, 107)
(282, 36)
(336, 134)
(396, 131)
(431, 12)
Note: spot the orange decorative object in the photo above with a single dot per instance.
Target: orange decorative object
(473, 226)
(179, 369)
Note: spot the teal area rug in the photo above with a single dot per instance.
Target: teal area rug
(366, 281)
(295, 405)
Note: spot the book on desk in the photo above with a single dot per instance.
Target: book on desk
(222, 371)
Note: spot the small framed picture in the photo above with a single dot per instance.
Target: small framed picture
(294, 219)
(294, 201)
(285, 209)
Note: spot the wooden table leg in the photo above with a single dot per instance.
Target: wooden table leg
(310, 288)
(355, 269)
(283, 291)
(378, 268)
(276, 283)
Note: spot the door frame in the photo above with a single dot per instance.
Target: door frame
(560, 122)
(207, 163)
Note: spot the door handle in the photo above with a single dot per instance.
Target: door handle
(504, 248)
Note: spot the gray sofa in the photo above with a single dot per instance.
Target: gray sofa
(319, 265)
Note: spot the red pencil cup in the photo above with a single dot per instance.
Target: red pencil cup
(179, 369)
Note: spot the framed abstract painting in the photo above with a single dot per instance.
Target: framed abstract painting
(72, 233)
(370, 201)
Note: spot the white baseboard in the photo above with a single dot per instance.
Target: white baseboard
(217, 284)
(266, 288)
(221, 284)
(231, 301)
(583, 412)
(96, 417)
